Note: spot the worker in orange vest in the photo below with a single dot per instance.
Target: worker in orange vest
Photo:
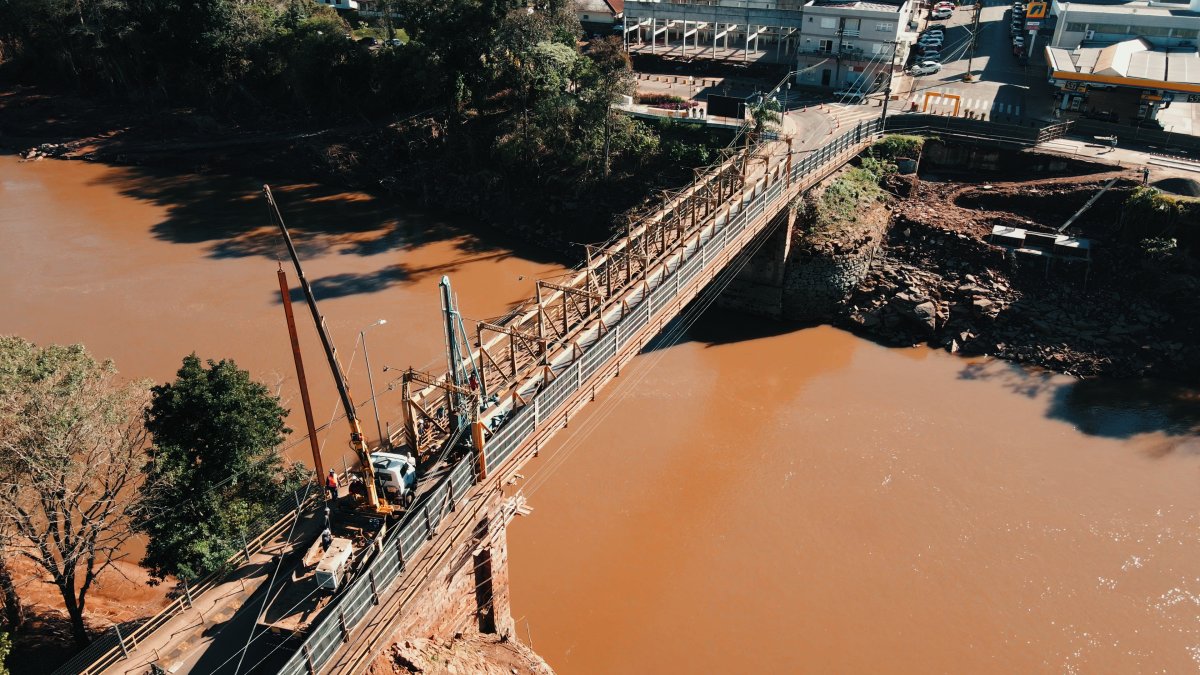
(331, 484)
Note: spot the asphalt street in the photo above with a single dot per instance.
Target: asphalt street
(1003, 89)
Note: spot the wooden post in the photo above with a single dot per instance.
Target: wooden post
(374, 591)
(400, 552)
(342, 623)
(477, 437)
(285, 293)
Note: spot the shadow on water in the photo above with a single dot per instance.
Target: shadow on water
(715, 327)
(1118, 409)
(231, 215)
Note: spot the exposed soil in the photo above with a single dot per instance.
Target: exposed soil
(938, 280)
(119, 596)
(484, 654)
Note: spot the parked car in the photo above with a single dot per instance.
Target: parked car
(926, 67)
(396, 42)
(930, 41)
(931, 54)
(1018, 7)
(935, 32)
(944, 5)
(368, 41)
(1018, 41)
(941, 14)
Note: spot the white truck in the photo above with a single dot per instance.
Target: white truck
(395, 476)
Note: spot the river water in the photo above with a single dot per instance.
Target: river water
(751, 499)
(145, 267)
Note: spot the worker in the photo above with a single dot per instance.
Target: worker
(1145, 175)
(326, 538)
(1112, 144)
(331, 484)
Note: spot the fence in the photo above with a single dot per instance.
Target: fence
(1132, 134)
(423, 519)
(114, 645)
(978, 131)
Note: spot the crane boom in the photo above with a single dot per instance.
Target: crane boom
(357, 441)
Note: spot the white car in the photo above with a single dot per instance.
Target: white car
(942, 14)
(925, 68)
(944, 6)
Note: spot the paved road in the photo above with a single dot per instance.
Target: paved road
(1005, 90)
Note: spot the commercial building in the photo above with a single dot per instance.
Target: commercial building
(833, 43)
(1096, 23)
(1124, 60)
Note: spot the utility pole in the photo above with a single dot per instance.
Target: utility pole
(887, 89)
(974, 41)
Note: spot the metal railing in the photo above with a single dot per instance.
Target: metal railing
(975, 130)
(114, 645)
(423, 519)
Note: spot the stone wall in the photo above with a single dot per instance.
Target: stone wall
(816, 282)
(468, 592)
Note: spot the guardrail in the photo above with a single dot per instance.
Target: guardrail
(975, 130)
(114, 646)
(424, 518)
(1132, 134)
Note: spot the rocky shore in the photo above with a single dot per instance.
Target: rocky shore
(936, 279)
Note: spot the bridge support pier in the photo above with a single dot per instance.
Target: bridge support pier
(758, 288)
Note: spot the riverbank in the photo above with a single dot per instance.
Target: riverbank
(417, 158)
(936, 278)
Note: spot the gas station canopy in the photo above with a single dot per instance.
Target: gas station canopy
(1132, 63)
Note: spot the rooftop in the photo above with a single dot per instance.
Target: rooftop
(1137, 7)
(871, 5)
(1134, 59)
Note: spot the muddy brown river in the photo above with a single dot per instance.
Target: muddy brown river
(751, 499)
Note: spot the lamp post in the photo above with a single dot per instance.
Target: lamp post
(787, 93)
(362, 335)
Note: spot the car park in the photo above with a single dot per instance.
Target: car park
(926, 67)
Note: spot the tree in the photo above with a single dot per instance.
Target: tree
(611, 76)
(71, 448)
(5, 648)
(216, 471)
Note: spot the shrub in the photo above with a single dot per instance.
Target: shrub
(894, 146)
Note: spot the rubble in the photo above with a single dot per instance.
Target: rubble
(937, 280)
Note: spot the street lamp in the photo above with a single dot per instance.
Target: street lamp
(787, 95)
(362, 335)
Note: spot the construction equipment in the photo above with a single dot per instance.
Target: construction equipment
(372, 502)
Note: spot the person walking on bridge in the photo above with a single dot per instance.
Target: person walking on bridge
(331, 484)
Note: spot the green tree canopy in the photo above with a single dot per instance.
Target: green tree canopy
(216, 472)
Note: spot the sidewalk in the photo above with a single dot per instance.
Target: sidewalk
(194, 629)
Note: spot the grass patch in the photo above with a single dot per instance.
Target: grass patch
(895, 146)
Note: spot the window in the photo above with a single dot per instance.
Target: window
(1076, 27)
(829, 22)
(1110, 28)
(878, 47)
(826, 46)
(885, 27)
(1154, 31)
(1190, 34)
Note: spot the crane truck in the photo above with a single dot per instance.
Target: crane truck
(344, 546)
